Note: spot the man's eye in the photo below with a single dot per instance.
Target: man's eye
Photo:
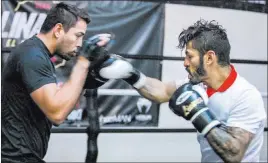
(78, 35)
(189, 57)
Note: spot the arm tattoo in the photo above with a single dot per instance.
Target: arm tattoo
(230, 143)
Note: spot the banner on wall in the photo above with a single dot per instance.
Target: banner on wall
(139, 30)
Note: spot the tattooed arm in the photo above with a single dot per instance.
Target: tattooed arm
(157, 91)
(230, 143)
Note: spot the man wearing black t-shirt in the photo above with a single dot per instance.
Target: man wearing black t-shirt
(31, 101)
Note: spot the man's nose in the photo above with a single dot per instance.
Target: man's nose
(79, 43)
(185, 63)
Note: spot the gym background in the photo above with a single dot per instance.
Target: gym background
(132, 128)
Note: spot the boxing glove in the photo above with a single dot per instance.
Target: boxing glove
(91, 48)
(116, 67)
(190, 102)
(93, 80)
(97, 55)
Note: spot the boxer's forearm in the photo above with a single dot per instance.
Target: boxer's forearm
(230, 144)
(56, 103)
(70, 92)
(156, 90)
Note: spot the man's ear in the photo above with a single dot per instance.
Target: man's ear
(58, 30)
(210, 57)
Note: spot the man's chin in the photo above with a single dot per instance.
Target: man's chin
(65, 57)
(194, 82)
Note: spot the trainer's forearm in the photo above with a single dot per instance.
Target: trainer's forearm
(154, 90)
(68, 95)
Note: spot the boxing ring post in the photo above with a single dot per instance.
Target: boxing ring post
(94, 128)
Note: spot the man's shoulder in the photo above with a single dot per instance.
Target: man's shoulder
(28, 52)
(29, 47)
(243, 86)
(246, 95)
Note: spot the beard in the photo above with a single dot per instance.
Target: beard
(200, 72)
(65, 56)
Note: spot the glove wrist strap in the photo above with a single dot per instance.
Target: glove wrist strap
(141, 82)
(210, 126)
(204, 121)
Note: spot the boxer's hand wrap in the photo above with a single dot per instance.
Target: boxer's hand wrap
(190, 102)
(116, 67)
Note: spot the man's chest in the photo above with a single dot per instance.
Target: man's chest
(221, 105)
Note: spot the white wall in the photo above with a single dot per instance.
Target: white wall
(247, 31)
(248, 36)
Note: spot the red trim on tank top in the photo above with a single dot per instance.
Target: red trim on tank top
(226, 84)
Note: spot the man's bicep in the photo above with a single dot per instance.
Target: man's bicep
(170, 87)
(43, 97)
(36, 71)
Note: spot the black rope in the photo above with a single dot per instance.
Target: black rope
(93, 129)
(130, 130)
(161, 58)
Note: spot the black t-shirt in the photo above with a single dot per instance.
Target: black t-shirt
(25, 128)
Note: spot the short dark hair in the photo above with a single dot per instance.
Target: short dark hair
(207, 36)
(65, 14)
